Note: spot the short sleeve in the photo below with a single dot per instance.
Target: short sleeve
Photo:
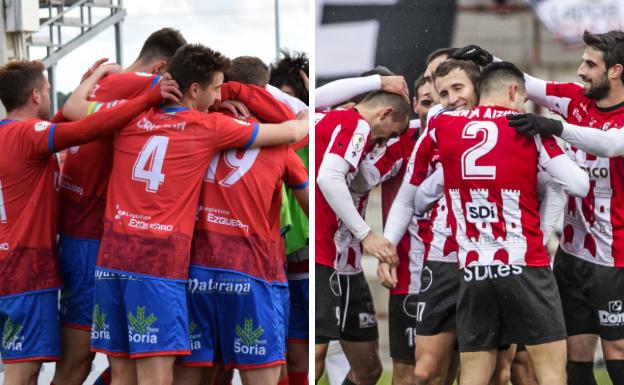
(295, 175)
(547, 149)
(562, 98)
(230, 132)
(36, 138)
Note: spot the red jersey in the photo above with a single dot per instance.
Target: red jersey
(158, 165)
(593, 227)
(346, 134)
(490, 180)
(238, 217)
(28, 207)
(86, 171)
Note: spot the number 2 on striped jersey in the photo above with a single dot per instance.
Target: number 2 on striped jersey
(469, 167)
(148, 166)
(239, 166)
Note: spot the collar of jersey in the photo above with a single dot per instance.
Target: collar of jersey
(5, 121)
(610, 109)
(173, 110)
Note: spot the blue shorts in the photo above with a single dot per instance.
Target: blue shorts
(77, 259)
(299, 310)
(139, 316)
(30, 327)
(236, 319)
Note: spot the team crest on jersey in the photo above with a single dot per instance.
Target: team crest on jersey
(358, 142)
(41, 126)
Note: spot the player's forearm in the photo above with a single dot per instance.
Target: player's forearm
(569, 175)
(341, 90)
(609, 143)
(303, 198)
(552, 202)
(289, 132)
(77, 105)
(332, 184)
(259, 101)
(429, 191)
(401, 213)
(103, 123)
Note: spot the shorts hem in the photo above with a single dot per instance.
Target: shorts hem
(359, 339)
(161, 353)
(110, 353)
(79, 238)
(71, 325)
(30, 359)
(297, 340)
(206, 364)
(435, 332)
(254, 366)
(545, 340)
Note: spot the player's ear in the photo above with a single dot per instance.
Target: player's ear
(615, 72)
(386, 112)
(159, 67)
(194, 89)
(36, 95)
(513, 92)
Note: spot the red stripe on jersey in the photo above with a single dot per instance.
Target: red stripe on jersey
(344, 133)
(594, 225)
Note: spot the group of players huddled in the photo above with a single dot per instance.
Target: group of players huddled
(471, 192)
(165, 224)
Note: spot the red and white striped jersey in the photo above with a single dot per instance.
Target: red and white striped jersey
(346, 134)
(490, 183)
(593, 227)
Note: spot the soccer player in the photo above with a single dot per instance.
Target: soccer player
(29, 180)
(290, 74)
(342, 137)
(142, 266)
(84, 182)
(495, 221)
(225, 231)
(589, 264)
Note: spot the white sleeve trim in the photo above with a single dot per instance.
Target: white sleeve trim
(332, 183)
(341, 90)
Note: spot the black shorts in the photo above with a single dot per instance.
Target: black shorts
(344, 307)
(402, 310)
(502, 304)
(437, 299)
(591, 296)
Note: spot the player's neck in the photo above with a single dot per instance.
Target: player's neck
(494, 100)
(138, 66)
(22, 113)
(615, 97)
(365, 112)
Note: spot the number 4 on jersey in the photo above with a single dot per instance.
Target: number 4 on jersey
(148, 166)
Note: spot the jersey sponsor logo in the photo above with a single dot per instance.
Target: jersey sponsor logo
(4, 246)
(140, 328)
(41, 126)
(236, 286)
(596, 172)
(12, 339)
(194, 336)
(481, 212)
(137, 224)
(99, 329)
(74, 149)
(481, 273)
(225, 221)
(248, 341)
(367, 320)
(66, 185)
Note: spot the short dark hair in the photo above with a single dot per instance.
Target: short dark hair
(378, 70)
(494, 73)
(440, 52)
(401, 108)
(471, 70)
(418, 83)
(248, 70)
(194, 63)
(17, 80)
(286, 72)
(611, 44)
(161, 44)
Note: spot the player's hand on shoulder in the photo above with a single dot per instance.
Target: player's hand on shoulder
(396, 85)
(387, 275)
(235, 107)
(381, 248)
(95, 65)
(475, 54)
(531, 124)
(169, 89)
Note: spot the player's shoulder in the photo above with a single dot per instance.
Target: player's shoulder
(20, 126)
